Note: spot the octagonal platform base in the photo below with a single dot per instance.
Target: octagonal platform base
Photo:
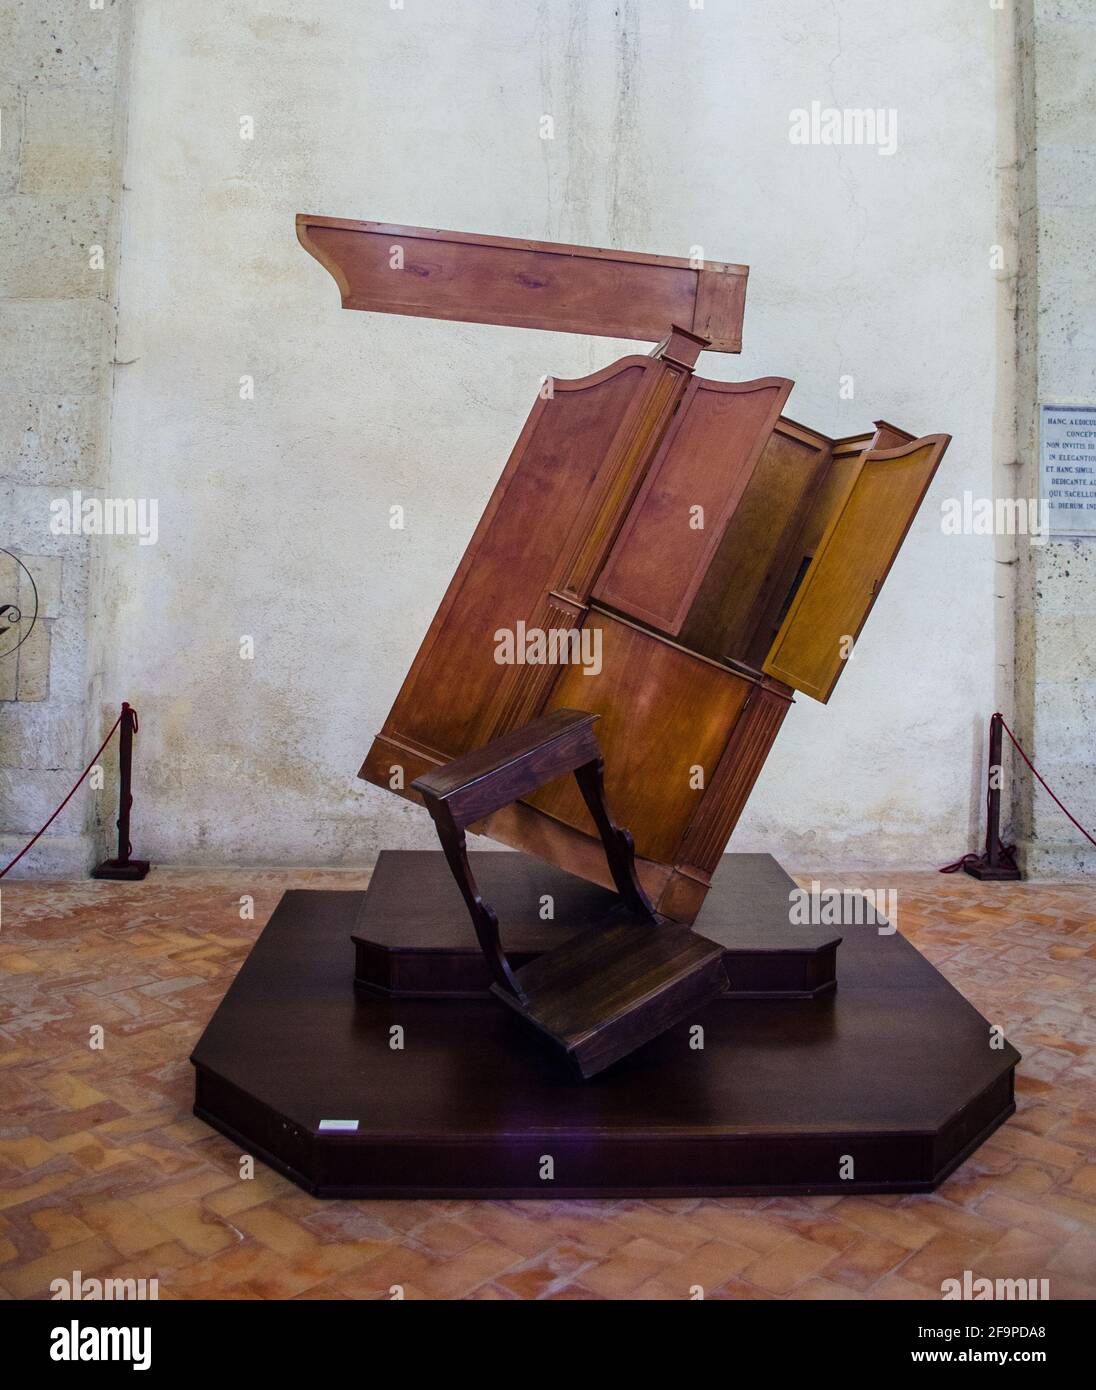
(883, 1085)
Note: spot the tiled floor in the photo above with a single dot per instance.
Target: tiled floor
(104, 1170)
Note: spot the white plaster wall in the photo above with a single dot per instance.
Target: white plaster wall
(671, 130)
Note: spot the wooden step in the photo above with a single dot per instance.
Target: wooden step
(609, 990)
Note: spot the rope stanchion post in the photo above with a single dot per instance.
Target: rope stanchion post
(124, 867)
(996, 863)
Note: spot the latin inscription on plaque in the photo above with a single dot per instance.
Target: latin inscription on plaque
(1068, 438)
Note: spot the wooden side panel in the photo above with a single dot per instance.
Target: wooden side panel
(523, 690)
(706, 461)
(755, 563)
(664, 712)
(427, 273)
(848, 569)
(511, 560)
(738, 770)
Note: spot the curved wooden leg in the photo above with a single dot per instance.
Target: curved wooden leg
(620, 848)
(483, 916)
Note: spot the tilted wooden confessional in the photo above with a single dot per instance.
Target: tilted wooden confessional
(664, 561)
(725, 555)
(667, 552)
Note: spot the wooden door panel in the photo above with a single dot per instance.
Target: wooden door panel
(754, 566)
(709, 454)
(850, 564)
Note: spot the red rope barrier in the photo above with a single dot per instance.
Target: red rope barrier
(1034, 769)
(1008, 852)
(31, 843)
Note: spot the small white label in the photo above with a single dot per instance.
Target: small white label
(338, 1126)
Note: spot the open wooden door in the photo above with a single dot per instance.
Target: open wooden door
(840, 584)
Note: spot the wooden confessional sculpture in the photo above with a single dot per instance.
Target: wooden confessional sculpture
(707, 555)
(663, 563)
(722, 555)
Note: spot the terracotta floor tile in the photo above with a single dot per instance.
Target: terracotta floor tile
(600, 1234)
(197, 1230)
(912, 1229)
(709, 1267)
(160, 1262)
(457, 1277)
(491, 1293)
(286, 1277)
(788, 1265)
(973, 1225)
(825, 1291)
(1083, 1181)
(273, 1231)
(493, 1221)
(674, 1231)
(1025, 1180)
(864, 1262)
(740, 1290)
(576, 1292)
(185, 1190)
(630, 1265)
(754, 1232)
(1077, 1258)
(60, 1227)
(343, 1221)
(542, 1276)
(446, 1238)
(944, 1257)
(124, 1225)
(900, 1290)
(32, 1280)
(1026, 1214)
(396, 1264)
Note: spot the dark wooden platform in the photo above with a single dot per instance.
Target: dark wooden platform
(892, 1071)
(413, 939)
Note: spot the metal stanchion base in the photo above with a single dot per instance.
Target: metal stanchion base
(121, 868)
(982, 869)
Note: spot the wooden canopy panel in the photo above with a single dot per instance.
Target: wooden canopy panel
(426, 273)
(853, 558)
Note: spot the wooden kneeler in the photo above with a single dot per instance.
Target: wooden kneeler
(608, 990)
